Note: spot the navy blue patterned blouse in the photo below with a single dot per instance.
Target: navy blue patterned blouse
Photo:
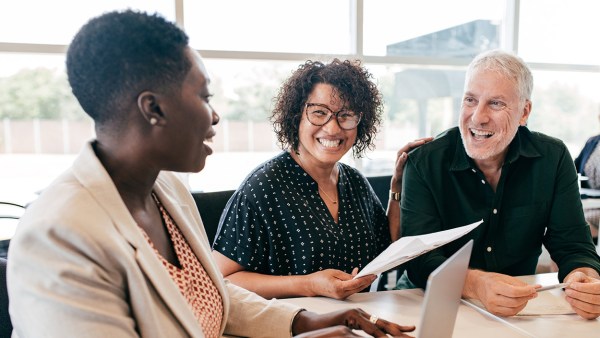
(276, 222)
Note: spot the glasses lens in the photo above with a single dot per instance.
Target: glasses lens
(348, 119)
(318, 115)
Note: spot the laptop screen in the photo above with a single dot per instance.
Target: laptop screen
(443, 294)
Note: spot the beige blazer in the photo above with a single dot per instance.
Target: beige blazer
(80, 267)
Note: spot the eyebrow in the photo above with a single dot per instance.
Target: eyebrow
(495, 97)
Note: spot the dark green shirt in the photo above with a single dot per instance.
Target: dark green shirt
(536, 202)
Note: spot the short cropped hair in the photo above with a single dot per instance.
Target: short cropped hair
(116, 56)
(351, 82)
(508, 64)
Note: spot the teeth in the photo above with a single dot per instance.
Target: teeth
(209, 140)
(329, 143)
(481, 133)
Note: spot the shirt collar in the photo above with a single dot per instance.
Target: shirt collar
(521, 145)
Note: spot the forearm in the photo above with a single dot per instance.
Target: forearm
(393, 210)
(269, 286)
(393, 215)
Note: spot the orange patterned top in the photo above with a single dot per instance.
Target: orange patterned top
(193, 281)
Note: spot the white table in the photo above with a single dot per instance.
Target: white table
(404, 307)
(555, 325)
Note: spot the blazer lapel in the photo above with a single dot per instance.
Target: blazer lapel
(189, 222)
(93, 176)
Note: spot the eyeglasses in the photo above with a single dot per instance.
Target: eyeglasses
(319, 114)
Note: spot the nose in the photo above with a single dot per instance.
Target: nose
(333, 125)
(215, 117)
(480, 114)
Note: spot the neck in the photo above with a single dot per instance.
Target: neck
(491, 169)
(323, 174)
(130, 173)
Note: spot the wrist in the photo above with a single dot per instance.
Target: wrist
(307, 285)
(395, 195)
(471, 282)
(298, 322)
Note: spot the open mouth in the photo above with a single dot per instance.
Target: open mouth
(481, 134)
(329, 143)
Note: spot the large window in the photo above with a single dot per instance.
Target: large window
(432, 27)
(558, 31)
(57, 21)
(307, 26)
(417, 51)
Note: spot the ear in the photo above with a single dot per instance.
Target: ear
(526, 111)
(149, 107)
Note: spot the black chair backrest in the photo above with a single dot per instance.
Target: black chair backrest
(381, 186)
(211, 205)
(10, 213)
(5, 323)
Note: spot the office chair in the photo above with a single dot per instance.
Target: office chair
(211, 205)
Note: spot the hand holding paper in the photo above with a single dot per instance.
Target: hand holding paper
(409, 247)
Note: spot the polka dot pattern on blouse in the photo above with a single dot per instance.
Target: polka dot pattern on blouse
(277, 223)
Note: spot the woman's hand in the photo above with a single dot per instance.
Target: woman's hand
(341, 323)
(393, 210)
(337, 284)
(401, 157)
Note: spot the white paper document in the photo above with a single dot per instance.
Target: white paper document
(546, 303)
(409, 247)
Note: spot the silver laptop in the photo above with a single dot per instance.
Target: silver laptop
(443, 294)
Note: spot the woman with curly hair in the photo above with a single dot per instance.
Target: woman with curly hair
(302, 223)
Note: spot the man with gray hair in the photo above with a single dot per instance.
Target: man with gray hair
(523, 185)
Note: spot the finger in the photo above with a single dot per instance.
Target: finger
(355, 285)
(354, 272)
(418, 142)
(578, 277)
(514, 291)
(341, 275)
(401, 158)
(591, 287)
(584, 297)
(505, 311)
(400, 162)
(393, 328)
(584, 309)
(382, 327)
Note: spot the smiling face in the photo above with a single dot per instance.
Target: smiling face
(190, 119)
(328, 143)
(490, 115)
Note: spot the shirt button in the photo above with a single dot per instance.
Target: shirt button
(474, 170)
(489, 249)
(495, 211)
(483, 181)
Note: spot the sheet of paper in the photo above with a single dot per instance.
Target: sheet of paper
(409, 247)
(546, 303)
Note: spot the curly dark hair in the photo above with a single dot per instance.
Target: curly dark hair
(352, 83)
(117, 55)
